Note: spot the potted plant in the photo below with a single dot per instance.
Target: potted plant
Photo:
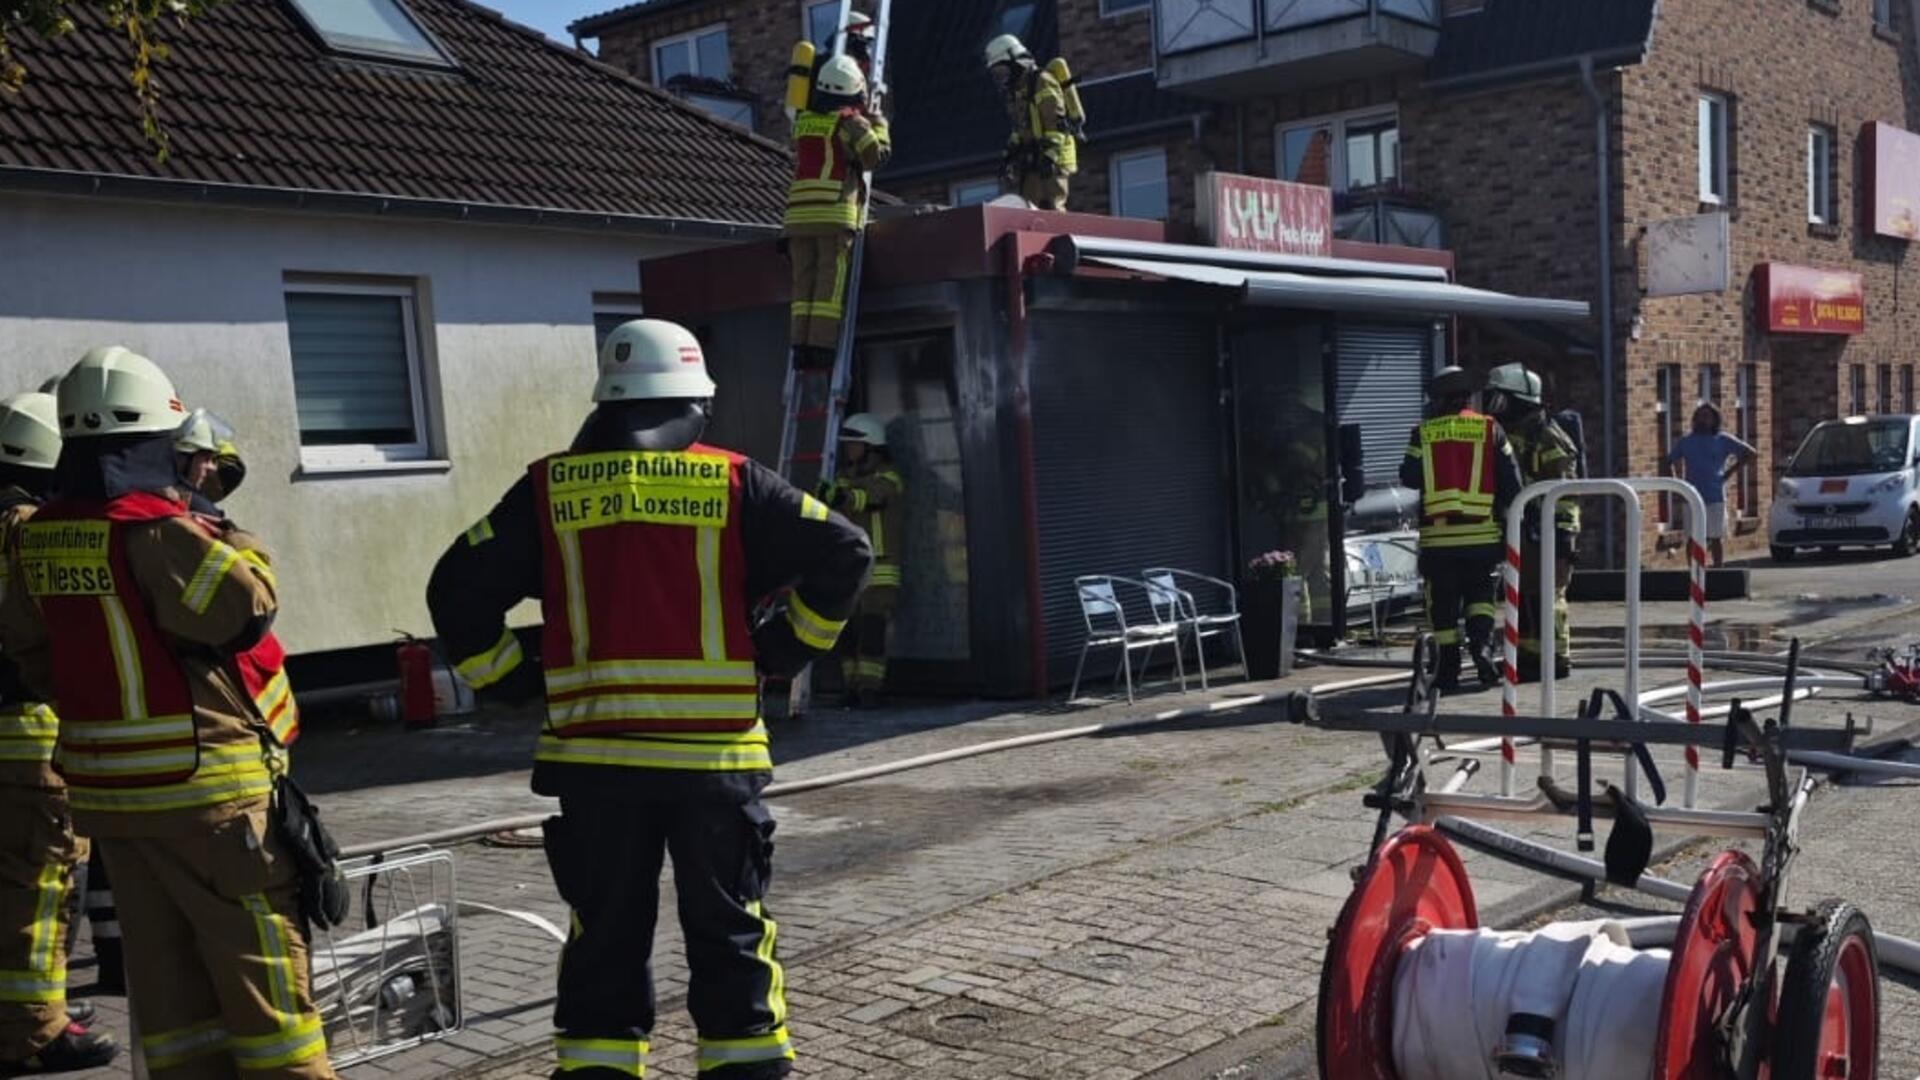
(1270, 613)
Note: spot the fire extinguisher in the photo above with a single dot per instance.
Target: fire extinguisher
(415, 660)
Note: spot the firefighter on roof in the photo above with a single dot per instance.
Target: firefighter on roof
(152, 634)
(648, 552)
(869, 490)
(835, 143)
(39, 853)
(1041, 153)
(1463, 468)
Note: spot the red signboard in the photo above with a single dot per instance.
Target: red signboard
(1806, 300)
(1891, 160)
(1252, 213)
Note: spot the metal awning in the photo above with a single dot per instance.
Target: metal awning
(1359, 294)
(1362, 286)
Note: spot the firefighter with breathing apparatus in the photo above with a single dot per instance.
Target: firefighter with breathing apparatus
(1044, 106)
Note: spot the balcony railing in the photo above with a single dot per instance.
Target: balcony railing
(1386, 219)
(1227, 48)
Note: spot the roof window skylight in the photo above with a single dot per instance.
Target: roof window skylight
(372, 30)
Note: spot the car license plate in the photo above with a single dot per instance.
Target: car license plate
(1830, 521)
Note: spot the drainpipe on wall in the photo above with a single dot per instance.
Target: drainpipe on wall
(1604, 167)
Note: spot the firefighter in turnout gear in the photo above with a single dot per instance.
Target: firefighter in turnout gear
(1041, 153)
(1462, 466)
(648, 552)
(835, 143)
(871, 493)
(151, 635)
(1545, 452)
(40, 855)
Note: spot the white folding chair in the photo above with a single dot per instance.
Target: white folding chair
(1219, 618)
(1105, 613)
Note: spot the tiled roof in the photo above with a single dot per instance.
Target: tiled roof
(1509, 34)
(949, 112)
(252, 102)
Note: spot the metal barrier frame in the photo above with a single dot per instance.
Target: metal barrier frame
(1550, 492)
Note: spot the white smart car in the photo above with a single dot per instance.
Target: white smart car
(1853, 483)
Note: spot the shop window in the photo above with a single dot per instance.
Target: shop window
(1820, 172)
(1906, 388)
(1710, 383)
(610, 310)
(973, 192)
(1667, 420)
(1884, 403)
(1354, 152)
(358, 380)
(700, 54)
(1140, 184)
(1715, 128)
(1746, 420)
(908, 383)
(1857, 390)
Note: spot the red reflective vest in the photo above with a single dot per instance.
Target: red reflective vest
(128, 714)
(648, 656)
(822, 166)
(1458, 455)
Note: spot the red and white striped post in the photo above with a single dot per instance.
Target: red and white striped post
(1696, 641)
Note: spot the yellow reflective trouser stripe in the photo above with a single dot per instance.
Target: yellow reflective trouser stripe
(50, 890)
(681, 752)
(878, 535)
(843, 214)
(713, 615)
(765, 953)
(200, 589)
(829, 188)
(1479, 609)
(28, 734)
(496, 663)
(885, 574)
(812, 509)
(171, 1049)
(663, 672)
(299, 1041)
(225, 774)
(272, 931)
(622, 1055)
(481, 532)
(876, 669)
(857, 498)
(814, 630)
(33, 987)
(775, 1045)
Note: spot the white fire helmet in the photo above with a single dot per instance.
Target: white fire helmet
(652, 358)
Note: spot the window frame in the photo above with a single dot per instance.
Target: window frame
(1720, 138)
(1666, 408)
(1114, 188)
(1336, 125)
(1746, 424)
(1882, 15)
(376, 51)
(1822, 197)
(692, 40)
(954, 188)
(1856, 390)
(362, 457)
(1709, 384)
(1906, 388)
(1133, 6)
(700, 99)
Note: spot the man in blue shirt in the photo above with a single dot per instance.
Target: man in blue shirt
(1705, 452)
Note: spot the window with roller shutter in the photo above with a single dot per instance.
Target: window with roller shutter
(358, 381)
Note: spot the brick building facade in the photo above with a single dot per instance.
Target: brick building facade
(1491, 134)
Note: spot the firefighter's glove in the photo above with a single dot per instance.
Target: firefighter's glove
(524, 685)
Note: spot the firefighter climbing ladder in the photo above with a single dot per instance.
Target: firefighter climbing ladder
(814, 401)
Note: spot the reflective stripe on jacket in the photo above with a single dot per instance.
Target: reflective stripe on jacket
(830, 152)
(876, 501)
(649, 659)
(1458, 454)
(28, 727)
(1039, 110)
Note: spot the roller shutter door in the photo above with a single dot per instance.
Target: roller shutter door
(1127, 457)
(1381, 383)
